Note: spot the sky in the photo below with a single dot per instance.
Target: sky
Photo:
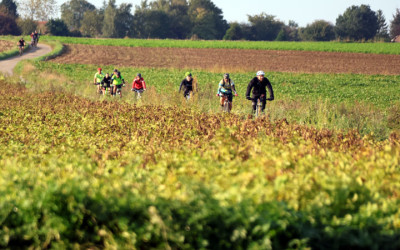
(302, 12)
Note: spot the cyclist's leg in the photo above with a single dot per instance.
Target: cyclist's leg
(254, 103)
(263, 100)
(230, 99)
(222, 100)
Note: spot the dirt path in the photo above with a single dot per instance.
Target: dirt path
(7, 65)
(233, 60)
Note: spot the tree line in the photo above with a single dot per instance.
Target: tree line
(185, 19)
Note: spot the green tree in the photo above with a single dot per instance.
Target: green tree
(282, 35)
(234, 32)
(149, 23)
(8, 25)
(57, 27)
(357, 23)
(110, 14)
(395, 24)
(319, 30)
(207, 19)
(124, 20)
(10, 7)
(264, 27)
(27, 26)
(383, 29)
(73, 11)
(92, 23)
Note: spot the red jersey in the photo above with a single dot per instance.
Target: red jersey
(138, 83)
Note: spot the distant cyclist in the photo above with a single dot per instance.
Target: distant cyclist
(118, 81)
(225, 88)
(106, 84)
(259, 85)
(98, 77)
(138, 84)
(32, 35)
(36, 37)
(187, 85)
(21, 45)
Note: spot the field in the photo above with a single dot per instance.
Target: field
(6, 45)
(78, 170)
(374, 48)
(233, 60)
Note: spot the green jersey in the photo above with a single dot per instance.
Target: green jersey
(99, 77)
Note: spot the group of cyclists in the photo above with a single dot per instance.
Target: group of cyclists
(256, 89)
(111, 84)
(34, 41)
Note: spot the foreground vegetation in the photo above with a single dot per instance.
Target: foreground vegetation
(79, 173)
(375, 48)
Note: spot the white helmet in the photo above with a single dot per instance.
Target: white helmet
(260, 73)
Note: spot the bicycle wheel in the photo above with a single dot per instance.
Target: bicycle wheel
(226, 106)
(258, 108)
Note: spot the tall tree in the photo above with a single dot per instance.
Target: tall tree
(383, 29)
(40, 10)
(357, 23)
(319, 30)
(8, 26)
(10, 7)
(57, 27)
(92, 23)
(264, 27)
(110, 14)
(27, 26)
(234, 32)
(73, 11)
(208, 21)
(124, 20)
(395, 24)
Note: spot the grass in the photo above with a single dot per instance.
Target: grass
(334, 101)
(375, 48)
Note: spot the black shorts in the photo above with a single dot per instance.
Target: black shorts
(230, 96)
(119, 86)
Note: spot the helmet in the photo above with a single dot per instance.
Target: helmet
(260, 73)
(99, 69)
(115, 70)
(188, 74)
(139, 75)
(226, 76)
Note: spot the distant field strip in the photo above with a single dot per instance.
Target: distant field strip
(233, 60)
(374, 48)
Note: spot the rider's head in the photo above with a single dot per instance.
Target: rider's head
(99, 69)
(118, 74)
(260, 75)
(107, 75)
(188, 75)
(226, 76)
(139, 75)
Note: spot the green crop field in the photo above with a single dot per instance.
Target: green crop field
(77, 173)
(82, 171)
(376, 48)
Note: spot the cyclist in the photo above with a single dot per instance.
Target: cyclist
(138, 84)
(106, 83)
(225, 87)
(32, 39)
(98, 77)
(118, 81)
(21, 45)
(259, 85)
(36, 37)
(187, 85)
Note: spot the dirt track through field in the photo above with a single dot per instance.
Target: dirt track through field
(6, 45)
(233, 60)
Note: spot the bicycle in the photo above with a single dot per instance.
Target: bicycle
(119, 91)
(227, 104)
(258, 111)
(21, 50)
(138, 93)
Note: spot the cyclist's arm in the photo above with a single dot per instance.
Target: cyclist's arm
(233, 87)
(144, 84)
(180, 87)
(219, 88)
(271, 92)
(249, 87)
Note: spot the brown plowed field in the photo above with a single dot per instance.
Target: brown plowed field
(7, 45)
(233, 60)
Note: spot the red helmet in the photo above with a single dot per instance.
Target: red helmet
(99, 69)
